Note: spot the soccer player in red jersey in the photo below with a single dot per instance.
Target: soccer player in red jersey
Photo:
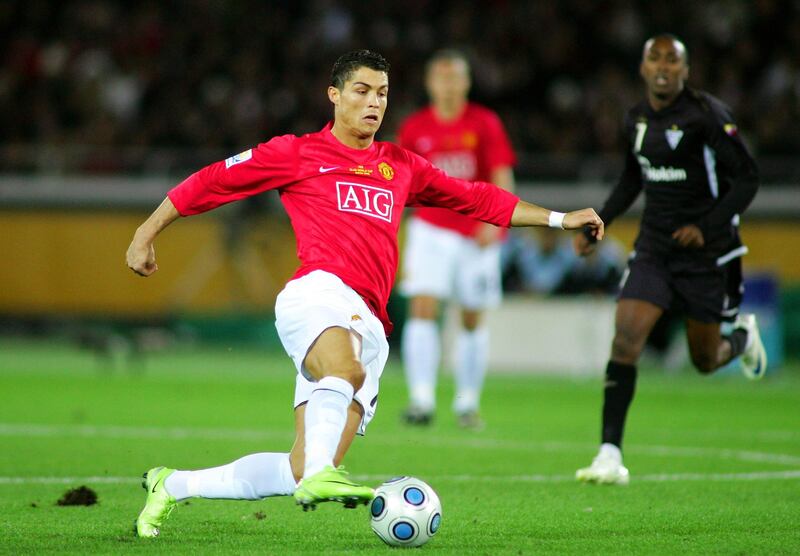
(344, 193)
(448, 255)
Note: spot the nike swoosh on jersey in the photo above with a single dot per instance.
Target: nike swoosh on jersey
(322, 169)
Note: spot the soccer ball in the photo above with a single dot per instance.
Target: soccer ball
(405, 512)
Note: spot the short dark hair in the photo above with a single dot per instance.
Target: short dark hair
(447, 55)
(670, 37)
(349, 63)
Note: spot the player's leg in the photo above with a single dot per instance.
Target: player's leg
(302, 325)
(331, 483)
(471, 362)
(330, 422)
(422, 352)
(252, 477)
(428, 266)
(335, 366)
(709, 350)
(634, 321)
(478, 288)
(297, 456)
(753, 360)
(710, 298)
(339, 349)
(645, 295)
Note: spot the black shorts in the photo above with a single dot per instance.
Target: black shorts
(699, 289)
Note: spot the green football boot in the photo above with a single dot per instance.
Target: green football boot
(331, 485)
(159, 503)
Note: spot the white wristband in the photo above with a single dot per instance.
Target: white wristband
(556, 219)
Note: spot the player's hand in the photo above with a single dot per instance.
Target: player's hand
(487, 235)
(582, 246)
(141, 257)
(689, 236)
(585, 217)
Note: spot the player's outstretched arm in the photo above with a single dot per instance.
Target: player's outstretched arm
(141, 255)
(527, 214)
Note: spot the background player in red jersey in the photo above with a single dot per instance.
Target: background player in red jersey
(449, 256)
(697, 177)
(344, 193)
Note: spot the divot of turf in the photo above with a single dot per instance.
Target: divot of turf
(81, 496)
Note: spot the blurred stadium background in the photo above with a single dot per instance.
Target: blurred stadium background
(105, 105)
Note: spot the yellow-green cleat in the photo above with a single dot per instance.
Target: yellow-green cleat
(159, 503)
(331, 485)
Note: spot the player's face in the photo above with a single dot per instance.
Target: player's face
(448, 81)
(361, 103)
(664, 68)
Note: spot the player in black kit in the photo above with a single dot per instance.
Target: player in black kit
(697, 175)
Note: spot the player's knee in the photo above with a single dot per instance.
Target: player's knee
(354, 373)
(424, 307)
(625, 348)
(471, 320)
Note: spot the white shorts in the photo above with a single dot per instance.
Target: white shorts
(447, 265)
(315, 302)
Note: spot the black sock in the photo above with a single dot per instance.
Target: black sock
(737, 339)
(619, 387)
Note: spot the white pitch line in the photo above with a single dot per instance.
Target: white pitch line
(68, 480)
(168, 433)
(652, 478)
(475, 442)
(464, 478)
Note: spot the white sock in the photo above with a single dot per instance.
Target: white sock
(252, 477)
(422, 351)
(610, 451)
(472, 359)
(326, 415)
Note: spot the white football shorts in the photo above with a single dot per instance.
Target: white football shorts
(315, 302)
(447, 265)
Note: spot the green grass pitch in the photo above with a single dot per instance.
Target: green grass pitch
(715, 461)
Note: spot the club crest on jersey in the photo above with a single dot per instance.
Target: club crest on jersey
(674, 136)
(386, 171)
(364, 199)
(469, 140)
(237, 158)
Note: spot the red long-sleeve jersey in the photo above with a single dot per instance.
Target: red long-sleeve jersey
(470, 147)
(345, 204)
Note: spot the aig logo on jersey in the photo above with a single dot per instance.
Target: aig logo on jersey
(364, 199)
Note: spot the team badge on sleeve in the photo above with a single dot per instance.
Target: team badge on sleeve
(237, 158)
(731, 129)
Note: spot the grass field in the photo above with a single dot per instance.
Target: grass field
(715, 461)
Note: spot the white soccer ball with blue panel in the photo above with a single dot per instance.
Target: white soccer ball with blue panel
(405, 512)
